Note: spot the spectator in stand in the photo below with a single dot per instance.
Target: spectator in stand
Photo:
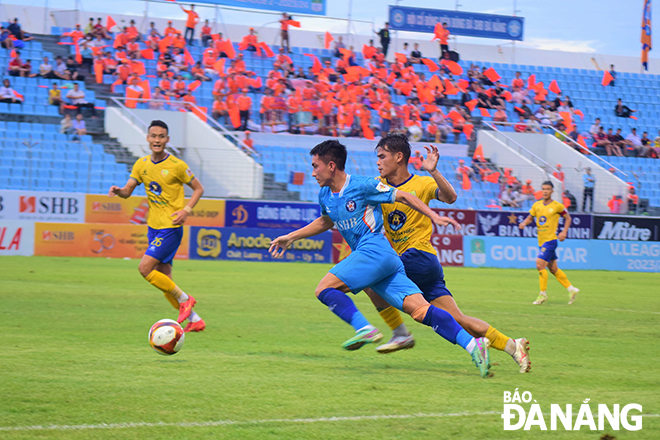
(16, 30)
(248, 141)
(284, 31)
(570, 199)
(206, 34)
(60, 69)
(244, 105)
(100, 30)
(16, 65)
(633, 200)
(79, 126)
(55, 97)
(595, 128)
(601, 140)
(444, 39)
(219, 109)
(72, 67)
(510, 197)
(251, 41)
(646, 146)
(634, 142)
(521, 125)
(527, 191)
(416, 160)
(77, 98)
(438, 127)
(618, 143)
(406, 51)
(66, 126)
(6, 39)
(559, 174)
(384, 35)
(7, 94)
(191, 22)
(415, 56)
(89, 29)
(615, 204)
(622, 111)
(198, 72)
(589, 180)
(170, 31)
(156, 96)
(518, 82)
(153, 30)
(613, 73)
(463, 169)
(500, 115)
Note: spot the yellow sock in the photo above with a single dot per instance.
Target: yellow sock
(562, 278)
(392, 317)
(161, 281)
(543, 280)
(171, 299)
(497, 340)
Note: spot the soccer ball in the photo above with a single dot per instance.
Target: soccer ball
(166, 337)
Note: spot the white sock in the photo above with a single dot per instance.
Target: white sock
(471, 345)
(510, 347)
(183, 298)
(400, 331)
(366, 327)
(543, 293)
(194, 317)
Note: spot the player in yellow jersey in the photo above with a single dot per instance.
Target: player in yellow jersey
(547, 212)
(410, 235)
(163, 176)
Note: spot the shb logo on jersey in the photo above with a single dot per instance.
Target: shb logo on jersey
(396, 220)
(487, 222)
(350, 206)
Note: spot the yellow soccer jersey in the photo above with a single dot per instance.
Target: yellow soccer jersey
(547, 219)
(163, 182)
(405, 227)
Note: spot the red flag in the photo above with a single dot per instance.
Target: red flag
(492, 75)
(484, 112)
(293, 23)
(479, 153)
(147, 54)
(531, 81)
(98, 72)
(219, 66)
(471, 104)
(327, 40)
(554, 87)
(200, 112)
(467, 185)
(368, 132)
(194, 85)
(468, 129)
(430, 64)
(19, 96)
(269, 52)
(110, 23)
(453, 67)
(189, 59)
(234, 116)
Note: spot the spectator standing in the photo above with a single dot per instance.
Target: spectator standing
(192, 21)
(444, 40)
(284, 31)
(589, 180)
(633, 200)
(384, 35)
(77, 98)
(528, 190)
(622, 111)
(559, 174)
(244, 104)
(248, 140)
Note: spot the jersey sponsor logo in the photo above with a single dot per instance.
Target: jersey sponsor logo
(396, 219)
(351, 205)
(155, 188)
(543, 219)
(382, 187)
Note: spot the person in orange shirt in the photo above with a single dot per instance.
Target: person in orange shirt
(219, 109)
(244, 103)
(209, 57)
(133, 32)
(518, 81)
(165, 84)
(385, 113)
(239, 64)
(219, 88)
(170, 31)
(364, 114)
(188, 99)
(179, 42)
(198, 72)
(309, 92)
(293, 107)
(250, 41)
(284, 32)
(444, 37)
(528, 191)
(633, 200)
(282, 61)
(179, 87)
(77, 34)
(218, 45)
(109, 64)
(123, 71)
(266, 110)
(559, 174)
(248, 141)
(193, 18)
(206, 34)
(133, 48)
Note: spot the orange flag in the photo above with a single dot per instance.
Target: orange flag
(200, 112)
(554, 87)
(579, 113)
(228, 49)
(453, 67)
(633, 117)
(468, 129)
(455, 116)
(138, 68)
(256, 82)
(582, 142)
(317, 66)
(327, 40)
(492, 75)
(436, 82)
(147, 89)
(98, 72)
(194, 85)
(186, 56)
(234, 116)
(479, 153)
(507, 95)
(368, 52)
(462, 85)
(19, 96)
(437, 31)
(425, 94)
(467, 185)
(391, 78)
(164, 44)
(492, 178)
(430, 108)
(607, 78)
(132, 96)
(430, 64)
(531, 81)
(219, 66)
(110, 23)
(368, 132)
(293, 23)
(484, 112)
(401, 58)
(345, 53)
(566, 116)
(147, 54)
(117, 42)
(471, 104)
(269, 52)
(449, 88)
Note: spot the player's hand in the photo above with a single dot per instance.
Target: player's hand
(113, 191)
(444, 221)
(561, 236)
(179, 217)
(279, 245)
(521, 226)
(430, 163)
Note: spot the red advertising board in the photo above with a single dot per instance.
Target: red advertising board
(449, 248)
(466, 218)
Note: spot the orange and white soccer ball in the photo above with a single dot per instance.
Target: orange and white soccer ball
(166, 337)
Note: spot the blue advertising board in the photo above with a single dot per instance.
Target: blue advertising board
(622, 255)
(470, 24)
(505, 224)
(251, 244)
(505, 252)
(279, 215)
(315, 7)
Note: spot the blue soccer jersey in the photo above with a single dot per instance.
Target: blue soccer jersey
(356, 210)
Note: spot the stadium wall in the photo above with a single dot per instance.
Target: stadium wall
(242, 230)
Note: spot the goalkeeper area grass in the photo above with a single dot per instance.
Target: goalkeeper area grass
(76, 363)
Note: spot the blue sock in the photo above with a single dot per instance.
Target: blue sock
(341, 305)
(446, 326)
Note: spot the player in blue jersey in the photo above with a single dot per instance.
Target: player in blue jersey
(352, 204)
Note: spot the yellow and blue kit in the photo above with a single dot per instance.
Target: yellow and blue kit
(547, 220)
(163, 182)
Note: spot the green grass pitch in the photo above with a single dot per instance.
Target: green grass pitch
(75, 352)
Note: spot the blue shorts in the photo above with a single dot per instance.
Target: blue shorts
(424, 269)
(547, 251)
(380, 268)
(163, 243)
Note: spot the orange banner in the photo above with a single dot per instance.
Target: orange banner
(102, 209)
(96, 240)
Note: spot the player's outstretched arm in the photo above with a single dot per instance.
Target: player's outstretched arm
(525, 222)
(124, 192)
(415, 203)
(446, 192)
(567, 224)
(279, 245)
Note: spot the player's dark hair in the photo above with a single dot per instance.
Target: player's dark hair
(547, 182)
(331, 151)
(159, 123)
(395, 143)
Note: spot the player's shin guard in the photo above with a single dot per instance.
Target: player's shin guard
(562, 278)
(341, 305)
(543, 280)
(392, 317)
(497, 340)
(446, 326)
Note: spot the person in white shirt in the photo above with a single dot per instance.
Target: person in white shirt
(510, 198)
(7, 94)
(77, 98)
(46, 69)
(405, 50)
(595, 128)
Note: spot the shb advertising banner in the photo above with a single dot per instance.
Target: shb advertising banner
(505, 224)
(279, 215)
(251, 244)
(470, 24)
(521, 253)
(626, 228)
(46, 206)
(16, 238)
(315, 7)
